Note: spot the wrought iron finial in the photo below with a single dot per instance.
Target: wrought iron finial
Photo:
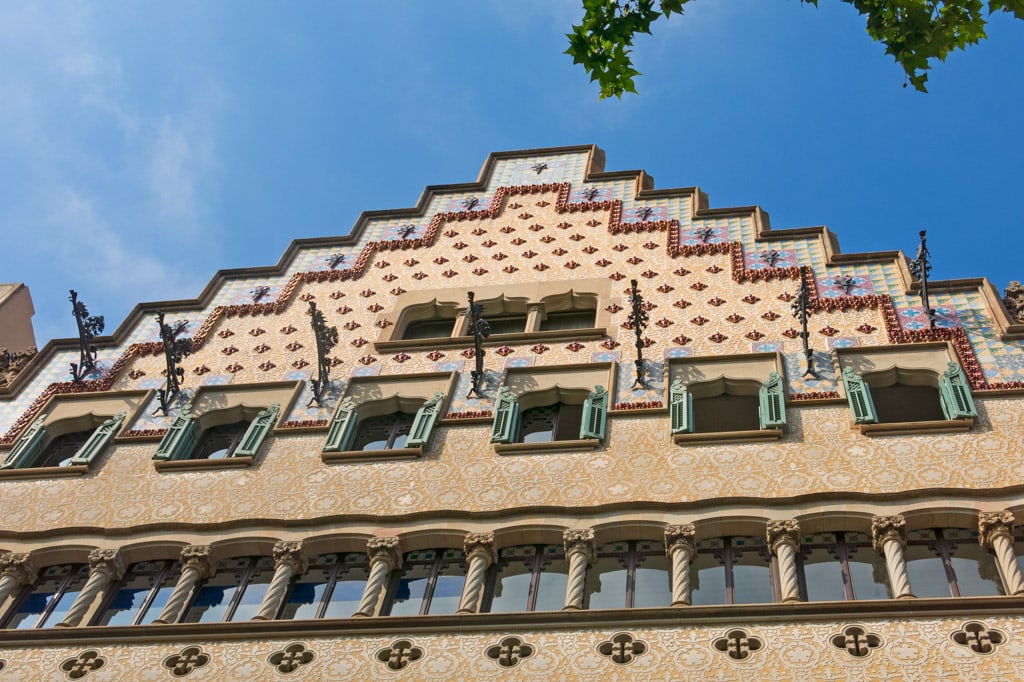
(920, 268)
(326, 339)
(770, 257)
(845, 282)
(802, 311)
(638, 319)
(174, 350)
(480, 329)
(89, 327)
(704, 233)
(335, 259)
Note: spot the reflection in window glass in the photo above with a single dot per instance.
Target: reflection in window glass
(223, 597)
(386, 432)
(219, 442)
(332, 587)
(430, 582)
(141, 594)
(731, 570)
(944, 562)
(529, 578)
(569, 319)
(62, 449)
(841, 566)
(627, 575)
(47, 602)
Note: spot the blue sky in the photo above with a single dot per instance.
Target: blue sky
(143, 146)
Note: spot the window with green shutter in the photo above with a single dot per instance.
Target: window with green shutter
(955, 394)
(772, 402)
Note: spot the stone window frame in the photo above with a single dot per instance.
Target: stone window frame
(842, 551)
(440, 562)
(164, 577)
(522, 388)
(535, 299)
(425, 393)
(927, 364)
(760, 374)
(257, 564)
(537, 562)
(263, 405)
(105, 414)
(79, 571)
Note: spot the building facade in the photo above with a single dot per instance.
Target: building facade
(552, 424)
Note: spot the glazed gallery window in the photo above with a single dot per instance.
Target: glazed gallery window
(234, 593)
(898, 396)
(731, 570)
(949, 562)
(141, 595)
(67, 442)
(331, 588)
(629, 574)
(240, 434)
(528, 578)
(45, 603)
(430, 581)
(841, 566)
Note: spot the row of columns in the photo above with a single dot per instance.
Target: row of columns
(888, 534)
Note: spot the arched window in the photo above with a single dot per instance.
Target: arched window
(629, 574)
(430, 581)
(725, 405)
(731, 570)
(949, 562)
(234, 593)
(220, 441)
(395, 423)
(528, 578)
(332, 587)
(75, 441)
(235, 432)
(555, 414)
(899, 395)
(45, 603)
(141, 594)
(840, 566)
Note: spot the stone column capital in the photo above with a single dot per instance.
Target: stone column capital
(885, 528)
(579, 540)
(480, 545)
(994, 524)
(290, 553)
(680, 536)
(384, 549)
(107, 562)
(782, 532)
(19, 566)
(198, 558)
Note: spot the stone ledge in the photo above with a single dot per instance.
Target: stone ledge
(203, 464)
(45, 472)
(577, 445)
(915, 428)
(335, 457)
(758, 436)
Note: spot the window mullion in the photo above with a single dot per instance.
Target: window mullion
(843, 553)
(58, 594)
(332, 581)
(158, 581)
(243, 582)
(946, 548)
(727, 557)
(428, 592)
(537, 566)
(631, 562)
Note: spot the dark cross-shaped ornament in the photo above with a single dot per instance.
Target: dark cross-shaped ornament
(326, 339)
(704, 233)
(89, 327)
(335, 259)
(921, 268)
(802, 311)
(174, 350)
(638, 318)
(480, 330)
(404, 231)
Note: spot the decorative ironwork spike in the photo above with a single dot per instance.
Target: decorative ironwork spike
(802, 311)
(326, 339)
(89, 327)
(920, 267)
(638, 318)
(175, 349)
(480, 329)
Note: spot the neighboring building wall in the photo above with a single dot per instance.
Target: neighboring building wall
(16, 313)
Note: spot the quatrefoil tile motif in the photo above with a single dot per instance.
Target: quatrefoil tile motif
(186, 661)
(978, 638)
(622, 648)
(856, 641)
(509, 652)
(738, 644)
(291, 658)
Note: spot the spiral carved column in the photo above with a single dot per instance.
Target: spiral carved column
(783, 539)
(889, 536)
(479, 548)
(289, 560)
(16, 569)
(196, 565)
(105, 566)
(996, 533)
(384, 558)
(579, 550)
(680, 549)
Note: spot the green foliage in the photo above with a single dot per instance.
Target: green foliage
(914, 32)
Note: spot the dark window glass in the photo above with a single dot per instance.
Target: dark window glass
(47, 602)
(551, 422)
(569, 319)
(528, 578)
(948, 562)
(60, 451)
(235, 592)
(895, 404)
(510, 324)
(429, 329)
(430, 582)
(628, 575)
(731, 570)
(726, 413)
(141, 594)
(386, 432)
(331, 588)
(841, 566)
(219, 442)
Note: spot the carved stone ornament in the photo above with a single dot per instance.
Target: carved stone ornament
(622, 648)
(509, 652)
(978, 638)
(856, 641)
(680, 535)
(994, 524)
(738, 644)
(579, 540)
(481, 544)
(185, 662)
(384, 549)
(783, 532)
(77, 667)
(885, 528)
(20, 566)
(290, 553)
(107, 561)
(400, 654)
(1014, 300)
(197, 557)
(12, 363)
(291, 658)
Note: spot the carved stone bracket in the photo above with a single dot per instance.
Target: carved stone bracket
(107, 561)
(384, 549)
(993, 524)
(19, 566)
(198, 557)
(783, 532)
(1013, 297)
(482, 545)
(290, 553)
(884, 528)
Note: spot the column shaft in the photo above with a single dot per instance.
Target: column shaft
(8, 583)
(896, 565)
(790, 587)
(1006, 560)
(283, 573)
(681, 557)
(380, 569)
(474, 584)
(190, 575)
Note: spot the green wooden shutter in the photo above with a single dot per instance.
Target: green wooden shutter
(28, 447)
(179, 440)
(858, 394)
(955, 394)
(98, 440)
(343, 427)
(772, 403)
(680, 408)
(506, 417)
(257, 431)
(423, 423)
(595, 414)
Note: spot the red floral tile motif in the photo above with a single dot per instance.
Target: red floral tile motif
(514, 205)
(575, 346)
(626, 325)
(294, 346)
(381, 264)
(593, 222)
(525, 216)
(480, 272)
(499, 256)
(576, 237)
(610, 344)
(547, 239)
(648, 342)
(651, 245)
(559, 251)
(489, 243)
(468, 353)
(771, 316)
(411, 263)
(469, 258)
(401, 357)
(682, 272)
(337, 294)
(713, 269)
(698, 286)
(603, 263)
(230, 350)
(307, 297)
(201, 370)
(367, 360)
(828, 331)
(682, 340)
(300, 363)
(367, 293)
(536, 227)
(529, 253)
(572, 265)
(518, 241)
(613, 308)
(700, 320)
(375, 308)
(734, 318)
(390, 277)
(634, 260)
(717, 337)
(262, 348)
(449, 273)
(786, 297)
(397, 291)
(665, 288)
(647, 305)
(563, 225)
(460, 245)
(440, 260)
(136, 373)
(716, 301)
(420, 275)
(750, 298)
(384, 324)
(510, 269)
(754, 335)
(343, 310)
(451, 233)
(336, 361)
(682, 304)
(267, 366)
(791, 333)
(866, 328)
(288, 330)
(617, 276)
(234, 368)
(542, 203)
(619, 247)
(359, 342)
(479, 231)
(352, 325)
(435, 355)
(225, 333)
(539, 348)
(257, 331)
(507, 229)
(664, 322)
(505, 350)
(541, 267)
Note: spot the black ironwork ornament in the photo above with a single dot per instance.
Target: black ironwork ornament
(175, 349)
(802, 311)
(326, 339)
(920, 268)
(89, 327)
(638, 318)
(480, 330)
